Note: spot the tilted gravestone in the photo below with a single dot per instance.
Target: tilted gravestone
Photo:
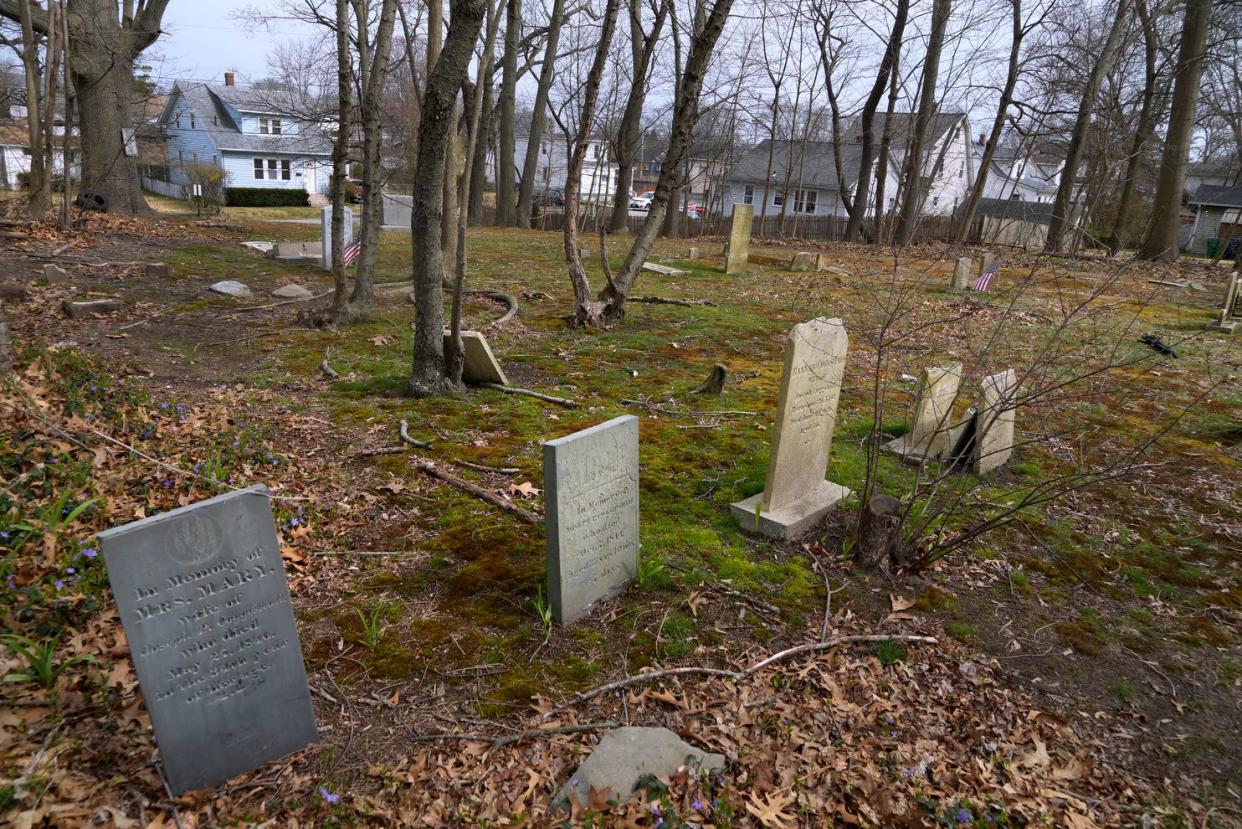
(737, 251)
(795, 495)
(986, 263)
(987, 433)
(1230, 316)
(590, 484)
(928, 437)
(803, 261)
(961, 274)
(479, 365)
(325, 229)
(202, 597)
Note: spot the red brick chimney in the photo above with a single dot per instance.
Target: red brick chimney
(230, 79)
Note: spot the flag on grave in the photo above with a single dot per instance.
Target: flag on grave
(985, 279)
(351, 252)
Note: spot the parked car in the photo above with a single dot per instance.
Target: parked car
(550, 197)
(353, 190)
(642, 202)
(695, 210)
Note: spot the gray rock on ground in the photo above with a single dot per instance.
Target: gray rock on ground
(233, 288)
(626, 754)
(292, 291)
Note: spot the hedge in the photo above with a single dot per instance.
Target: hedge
(265, 197)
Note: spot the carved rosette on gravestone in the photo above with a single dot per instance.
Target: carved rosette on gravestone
(1230, 315)
(795, 495)
(994, 422)
(202, 596)
(961, 274)
(928, 437)
(737, 251)
(590, 484)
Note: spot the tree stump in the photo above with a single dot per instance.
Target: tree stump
(879, 532)
(714, 384)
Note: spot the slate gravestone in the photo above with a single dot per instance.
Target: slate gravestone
(803, 261)
(590, 484)
(961, 274)
(202, 596)
(479, 365)
(737, 251)
(325, 229)
(928, 437)
(994, 424)
(1230, 316)
(795, 495)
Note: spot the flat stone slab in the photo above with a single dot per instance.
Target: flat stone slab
(202, 596)
(261, 246)
(625, 755)
(298, 251)
(233, 288)
(77, 309)
(292, 291)
(662, 270)
(480, 365)
(793, 519)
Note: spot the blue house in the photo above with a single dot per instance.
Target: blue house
(249, 133)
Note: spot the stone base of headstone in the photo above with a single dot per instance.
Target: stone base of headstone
(910, 454)
(77, 310)
(793, 521)
(1224, 326)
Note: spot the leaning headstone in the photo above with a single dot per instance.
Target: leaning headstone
(590, 484)
(1230, 316)
(795, 495)
(994, 423)
(231, 287)
(479, 365)
(961, 274)
(54, 274)
(737, 251)
(77, 309)
(325, 229)
(824, 265)
(928, 437)
(292, 291)
(202, 596)
(625, 755)
(986, 263)
(803, 261)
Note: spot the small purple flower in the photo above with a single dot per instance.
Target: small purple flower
(655, 810)
(4, 533)
(295, 521)
(94, 387)
(70, 570)
(328, 796)
(60, 585)
(90, 552)
(167, 483)
(962, 816)
(910, 773)
(697, 805)
(164, 406)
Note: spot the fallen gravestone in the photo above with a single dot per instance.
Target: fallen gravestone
(961, 274)
(795, 495)
(298, 252)
(260, 246)
(1230, 316)
(662, 270)
(77, 309)
(737, 250)
(624, 756)
(231, 287)
(54, 274)
(803, 261)
(479, 364)
(292, 291)
(202, 596)
(590, 481)
(824, 265)
(929, 433)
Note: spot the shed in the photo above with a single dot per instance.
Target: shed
(1217, 215)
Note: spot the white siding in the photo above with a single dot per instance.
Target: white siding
(303, 174)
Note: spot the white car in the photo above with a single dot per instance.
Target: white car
(642, 202)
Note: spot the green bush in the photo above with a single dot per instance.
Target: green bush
(264, 197)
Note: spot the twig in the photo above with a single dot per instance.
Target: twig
(328, 370)
(404, 432)
(382, 450)
(366, 552)
(827, 644)
(659, 300)
(310, 298)
(478, 491)
(639, 679)
(497, 742)
(560, 401)
(499, 470)
(253, 337)
(737, 594)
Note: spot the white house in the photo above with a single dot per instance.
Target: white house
(599, 176)
(1021, 174)
(15, 153)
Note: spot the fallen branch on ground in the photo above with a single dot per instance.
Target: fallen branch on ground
(499, 470)
(404, 432)
(328, 370)
(461, 483)
(560, 401)
(252, 337)
(500, 296)
(659, 300)
(497, 742)
(366, 552)
(283, 302)
(383, 450)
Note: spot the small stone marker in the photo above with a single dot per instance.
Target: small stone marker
(292, 291)
(233, 288)
(929, 433)
(625, 755)
(55, 275)
(795, 495)
(260, 246)
(590, 481)
(325, 227)
(159, 270)
(479, 365)
(961, 274)
(77, 309)
(824, 265)
(295, 252)
(986, 263)
(202, 596)
(803, 261)
(1230, 316)
(693, 253)
(994, 423)
(737, 251)
(662, 270)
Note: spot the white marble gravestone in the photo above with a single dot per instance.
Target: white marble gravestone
(202, 596)
(737, 250)
(961, 274)
(928, 437)
(590, 483)
(795, 495)
(325, 229)
(479, 364)
(994, 422)
(1230, 315)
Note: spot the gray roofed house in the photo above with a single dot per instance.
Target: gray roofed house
(1217, 215)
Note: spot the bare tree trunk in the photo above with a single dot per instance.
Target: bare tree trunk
(428, 375)
(1161, 241)
(478, 166)
(912, 201)
(506, 215)
(1063, 203)
(629, 133)
(671, 217)
(340, 161)
(1142, 132)
(530, 164)
(886, 144)
(40, 200)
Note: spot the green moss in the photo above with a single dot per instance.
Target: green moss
(932, 598)
(1080, 636)
(961, 630)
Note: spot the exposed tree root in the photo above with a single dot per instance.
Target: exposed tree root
(659, 300)
(560, 401)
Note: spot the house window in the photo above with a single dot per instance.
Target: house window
(273, 169)
(748, 194)
(778, 199)
(180, 158)
(192, 124)
(804, 201)
(178, 120)
(595, 150)
(269, 126)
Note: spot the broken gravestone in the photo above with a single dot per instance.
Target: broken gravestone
(479, 364)
(803, 261)
(737, 250)
(624, 756)
(985, 437)
(292, 291)
(961, 274)
(233, 288)
(55, 275)
(1230, 315)
(795, 495)
(824, 265)
(77, 309)
(928, 437)
(662, 270)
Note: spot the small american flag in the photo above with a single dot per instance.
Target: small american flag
(351, 252)
(985, 279)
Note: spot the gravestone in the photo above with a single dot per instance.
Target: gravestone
(994, 423)
(233, 288)
(396, 210)
(54, 274)
(77, 309)
(737, 251)
(292, 291)
(929, 433)
(325, 230)
(961, 274)
(202, 596)
(824, 265)
(479, 365)
(795, 495)
(1230, 316)
(297, 252)
(986, 263)
(693, 253)
(803, 261)
(590, 484)
(662, 270)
